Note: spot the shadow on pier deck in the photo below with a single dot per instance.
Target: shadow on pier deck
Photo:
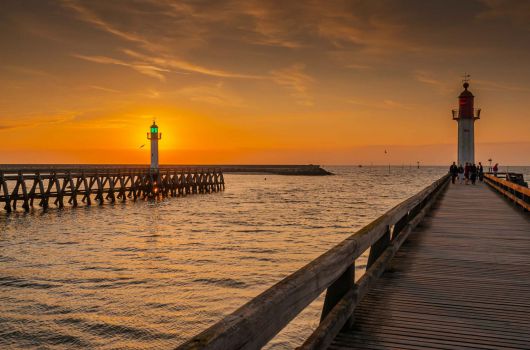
(449, 268)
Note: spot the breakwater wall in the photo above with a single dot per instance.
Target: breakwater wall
(293, 169)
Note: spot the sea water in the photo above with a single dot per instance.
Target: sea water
(151, 274)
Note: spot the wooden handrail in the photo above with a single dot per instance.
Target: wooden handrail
(259, 320)
(30, 174)
(517, 193)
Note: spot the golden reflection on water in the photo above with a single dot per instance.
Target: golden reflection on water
(152, 274)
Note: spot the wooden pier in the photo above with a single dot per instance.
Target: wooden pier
(449, 268)
(71, 186)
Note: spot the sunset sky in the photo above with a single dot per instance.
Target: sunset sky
(243, 81)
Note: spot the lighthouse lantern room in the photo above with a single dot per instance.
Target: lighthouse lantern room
(465, 116)
(154, 136)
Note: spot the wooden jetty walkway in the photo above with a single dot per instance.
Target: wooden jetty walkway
(113, 184)
(449, 268)
(461, 281)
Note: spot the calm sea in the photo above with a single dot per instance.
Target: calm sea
(153, 274)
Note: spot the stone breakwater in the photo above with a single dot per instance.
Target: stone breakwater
(305, 170)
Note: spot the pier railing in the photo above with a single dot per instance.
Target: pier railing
(258, 321)
(111, 184)
(520, 195)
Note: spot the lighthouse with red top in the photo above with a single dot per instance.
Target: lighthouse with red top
(465, 116)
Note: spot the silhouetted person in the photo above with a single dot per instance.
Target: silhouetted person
(467, 168)
(495, 169)
(473, 173)
(480, 172)
(460, 174)
(453, 170)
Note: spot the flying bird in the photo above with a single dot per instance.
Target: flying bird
(142, 146)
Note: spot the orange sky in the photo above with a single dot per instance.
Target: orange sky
(333, 82)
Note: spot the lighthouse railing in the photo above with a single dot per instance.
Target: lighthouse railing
(475, 114)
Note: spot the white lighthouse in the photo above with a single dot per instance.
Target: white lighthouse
(465, 116)
(154, 136)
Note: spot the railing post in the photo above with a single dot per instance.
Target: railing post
(378, 248)
(336, 291)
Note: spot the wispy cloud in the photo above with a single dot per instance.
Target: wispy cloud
(158, 60)
(358, 66)
(432, 80)
(385, 104)
(215, 94)
(29, 71)
(143, 68)
(102, 88)
(499, 86)
(269, 30)
(517, 11)
(90, 17)
(174, 63)
(35, 120)
(297, 80)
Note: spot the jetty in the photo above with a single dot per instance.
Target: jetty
(275, 169)
(448, 268)
(72, 185)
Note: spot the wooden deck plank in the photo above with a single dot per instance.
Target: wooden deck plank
(461, 281)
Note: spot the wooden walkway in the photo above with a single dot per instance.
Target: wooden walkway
(460, 281)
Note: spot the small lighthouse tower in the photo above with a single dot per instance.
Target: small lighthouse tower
(154, 136)
(465, 116)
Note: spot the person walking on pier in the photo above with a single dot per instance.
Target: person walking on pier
(453, 170)
(473, 173)
(495, 169)
(466, 173)
(460, 174)
(480, 172)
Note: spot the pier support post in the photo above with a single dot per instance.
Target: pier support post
(7, 199)
(25, 204)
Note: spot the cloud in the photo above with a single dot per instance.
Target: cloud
(140, 67)
(170, 62)
(271, 25)
(428, 78)
(358, 66)
(515, 11)
(35, 120)
(385, 104)
(102, 88)
(499, 86)
(158, 60)
(215, 94)
(90, 17)
(297, 80)
(30, 71)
